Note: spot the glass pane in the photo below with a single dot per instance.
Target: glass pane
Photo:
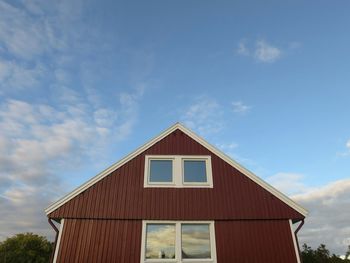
(161, 171)
(195, 171)
(195, 241)
(160, 241)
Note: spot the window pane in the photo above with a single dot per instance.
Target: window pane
(160, 241)
(161, 171)
(195, 241)
(195, 171)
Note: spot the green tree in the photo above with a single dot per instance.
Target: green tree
(307, 254)
(336, 259)
(322, 254)
(347, 254)
(26, 248)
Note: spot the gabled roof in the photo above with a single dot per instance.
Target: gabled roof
(198, 139)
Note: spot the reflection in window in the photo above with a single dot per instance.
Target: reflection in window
(160, 241)
(195, 240)
(161, 171)
(195, 171)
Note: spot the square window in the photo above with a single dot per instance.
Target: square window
(195, 171)
(161, 171)
(195, 241)
(160, 241)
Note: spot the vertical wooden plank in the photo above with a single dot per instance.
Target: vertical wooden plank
(76, 240)
(64, 240)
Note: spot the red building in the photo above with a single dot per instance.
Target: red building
(176, 199)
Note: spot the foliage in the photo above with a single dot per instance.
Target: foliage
(28, 248)
(321, 255)
(347, 254)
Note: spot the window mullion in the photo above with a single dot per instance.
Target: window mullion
(177, 171)
(178, 242)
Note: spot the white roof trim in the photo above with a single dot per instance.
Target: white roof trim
(201, 141)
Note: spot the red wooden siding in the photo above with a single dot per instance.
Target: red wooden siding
(121, 194)
(100, 241)
(252, 241)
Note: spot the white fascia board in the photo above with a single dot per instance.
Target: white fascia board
(195, 137)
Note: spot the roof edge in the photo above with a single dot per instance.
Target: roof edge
(201, 141)
(247, 173)
(110, 169)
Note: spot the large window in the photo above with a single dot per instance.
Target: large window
(160, 241)
(174, 241)
(178, 171)
(195, 241)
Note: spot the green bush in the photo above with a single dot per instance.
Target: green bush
(26, 248)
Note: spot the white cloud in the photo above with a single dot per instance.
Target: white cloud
(24, 38)
(204, 115)
(18, 32)
(266, 53)
(262, 52)
(288, 183)
(21, 210)
(38, 39)
(328, 206)
(348, 144)
(19, 76)
(38, 141)
(328, 219)
(39, 27)
(240, 107)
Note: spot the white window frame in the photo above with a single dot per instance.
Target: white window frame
(178, 245)
(178, 171)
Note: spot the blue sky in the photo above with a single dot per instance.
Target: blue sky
(82, 83)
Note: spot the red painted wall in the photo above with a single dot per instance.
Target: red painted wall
(121, 195)
(255, 241)
(100, 241)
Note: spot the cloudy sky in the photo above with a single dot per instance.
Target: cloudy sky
(82, 83)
